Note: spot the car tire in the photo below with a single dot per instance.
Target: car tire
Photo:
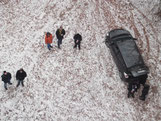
(107, 41)
(107, 44)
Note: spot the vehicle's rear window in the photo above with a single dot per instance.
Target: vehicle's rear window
(129, 52)
(116, 33)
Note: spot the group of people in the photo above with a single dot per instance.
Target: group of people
(134, 86)
(20, 76)
(60, 35)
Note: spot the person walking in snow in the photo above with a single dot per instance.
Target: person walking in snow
(48, 40)
(6, 78)
(77, 40)
(60, 35)
(132, 88)
(145, 92)
(20, 76)
(142, 79)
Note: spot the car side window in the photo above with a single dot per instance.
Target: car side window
(118, 54)
(116, 49)
(120, 59)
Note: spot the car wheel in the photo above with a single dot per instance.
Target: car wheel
(107, 43)
(107, 38)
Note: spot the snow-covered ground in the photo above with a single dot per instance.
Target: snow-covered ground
(150, 9)
(69, 85)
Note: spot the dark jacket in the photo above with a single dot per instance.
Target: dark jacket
(142, 79)
(21, 75)
(59, 34)
(145, 90)
(77, 37)
(132, 87)
(6, 78)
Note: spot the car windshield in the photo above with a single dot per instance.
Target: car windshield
(129, 52)
(124, 36)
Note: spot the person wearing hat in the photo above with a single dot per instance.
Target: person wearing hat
(60, 35)
(77, 40)
(48, 40)
(6, 78)
(20, 76)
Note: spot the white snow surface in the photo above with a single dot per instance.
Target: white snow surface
(69, 85)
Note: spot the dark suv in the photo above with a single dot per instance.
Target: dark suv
(126, 56)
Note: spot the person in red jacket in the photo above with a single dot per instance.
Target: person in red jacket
(48, 40)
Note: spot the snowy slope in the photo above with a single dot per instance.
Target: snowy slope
(69, 85)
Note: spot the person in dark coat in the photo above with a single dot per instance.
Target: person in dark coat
(77, 40)
(60, 35)
(142, 79)
(132, 88)
(145, 92)
(20, 76)
(6, 78)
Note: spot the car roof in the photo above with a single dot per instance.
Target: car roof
(129, 52)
